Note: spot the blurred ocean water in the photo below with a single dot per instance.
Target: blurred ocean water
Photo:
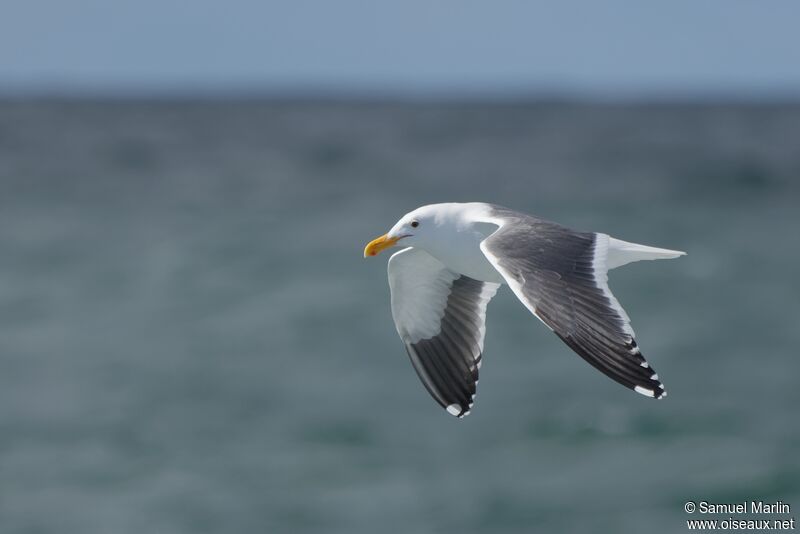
(191, 341)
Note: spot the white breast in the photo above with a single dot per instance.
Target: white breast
(461, 252)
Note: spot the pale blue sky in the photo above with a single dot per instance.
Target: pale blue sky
(610, 47)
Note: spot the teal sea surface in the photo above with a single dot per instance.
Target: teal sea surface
(192, 341)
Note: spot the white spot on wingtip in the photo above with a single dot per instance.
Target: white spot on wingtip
(645, 365)
(454, 409)
(643, 391)
(654, 377)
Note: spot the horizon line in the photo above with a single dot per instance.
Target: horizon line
(400, 95)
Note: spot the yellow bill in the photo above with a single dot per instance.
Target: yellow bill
(376, 246)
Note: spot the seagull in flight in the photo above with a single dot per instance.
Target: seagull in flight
(455, 258)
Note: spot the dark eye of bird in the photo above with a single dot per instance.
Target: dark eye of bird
(414, 224)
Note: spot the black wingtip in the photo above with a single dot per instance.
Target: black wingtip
(658, 393)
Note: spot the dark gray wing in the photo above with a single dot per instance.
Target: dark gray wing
(440, 316)
(561, 276)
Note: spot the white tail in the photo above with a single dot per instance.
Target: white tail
(621, 253)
